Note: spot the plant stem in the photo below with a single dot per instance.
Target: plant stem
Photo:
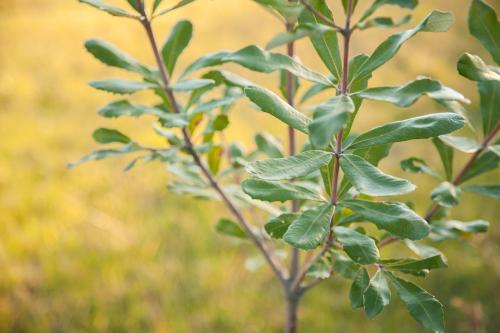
(275, 265)
(456, 181)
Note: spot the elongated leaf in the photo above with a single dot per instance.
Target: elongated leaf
(484, 25)
(410, 129)
(455, 229)
(369, 180)
(177, 41)
(488, 190)
(393, 217)
(229, 228)
(446, 155)
(417, 165)
(446, 194)
(106, 135)
(383, 22)
(474, 68)
(299, 32)
(311, 228)
(259, 60)
(276, 191)
(277, 226)
(360, 248)
(461, 143)
(180, 4)
(423, 250)
(191, 84)
(409, 265)
(270, 103)
(113, 10)
(436, 21)
(290, 10)
(424, 307)
(121, 86)
(377, 295)
(410, 4)
(325, 44)
(106, 153)
(489, 93)
(487, 161)
(408, 94)
(156, 4)
(289, 167)
(111, 56)
(269, 145)
(358, 287)
(329, 118)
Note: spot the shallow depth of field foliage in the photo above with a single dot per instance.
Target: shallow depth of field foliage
(98, 250)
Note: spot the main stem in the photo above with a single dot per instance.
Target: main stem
(279, 271)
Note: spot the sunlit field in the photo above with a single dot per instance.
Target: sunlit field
(96, 249)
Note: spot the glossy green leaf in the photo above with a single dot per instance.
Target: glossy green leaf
(311, 228)
(276, 191)
(461, 143)
(229, 228)
(360, 248)
(454, 229)
(259, 60)
(474, 68)
(393, 217)
(106, 135)
(358, 287)
(424, 307)
(277, 226)
(488, 190)
(487, 161)
(408, 94)
(270, 103)
(489, 93)
(177, 41)
(407, 265)
(269, 145)
(110, 9)
(410, 129)
(436, 21)
(344, 266)
(122, 86)
(369, 180)
(377, 295)
(423, 250)
(329, 118)
(191, 84)
(325, 44)
(111, 56)
(106, 153)
(484, 25)
(289, 167)
(290, 10)
(446, 155)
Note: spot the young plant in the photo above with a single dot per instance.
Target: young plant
(322, 198)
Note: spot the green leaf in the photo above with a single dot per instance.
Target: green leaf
(277, 226)
(436, 21)
(455, 229)
(290, 167)
(177, 41)
(487, 161)
(325, 44)
(297, 33)
(259, 60)
(358, 287)
(424, 307)
(345, 266)
(423, 250)
(393, 217)
(290, 10)
(408, 94)
(134, 4)
(360, 248)
(270, 103)
(191, 84)
(121, 86)
(369, 180)
(102, 154)
(180, 4)
(446, 155)
(311, 228)
(156, 4)
(489, 93)
(345, 5)
(329, 118)
(214, 158)
(417, 165)
(229, 228)
(409, 4)
(410, 129)
(113, 10)
(488, 190)
(276, 191)
(484, 25)
(377, 295)
(410, 265)
(111, 56)
(383, 22)
(461, 143)
(106, 135)
(269, 145)
(474, 68)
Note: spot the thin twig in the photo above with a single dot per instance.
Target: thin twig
(276, 266)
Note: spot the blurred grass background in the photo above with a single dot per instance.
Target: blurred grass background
(97, 250)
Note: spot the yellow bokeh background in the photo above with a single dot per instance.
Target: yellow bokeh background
(95, 249)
